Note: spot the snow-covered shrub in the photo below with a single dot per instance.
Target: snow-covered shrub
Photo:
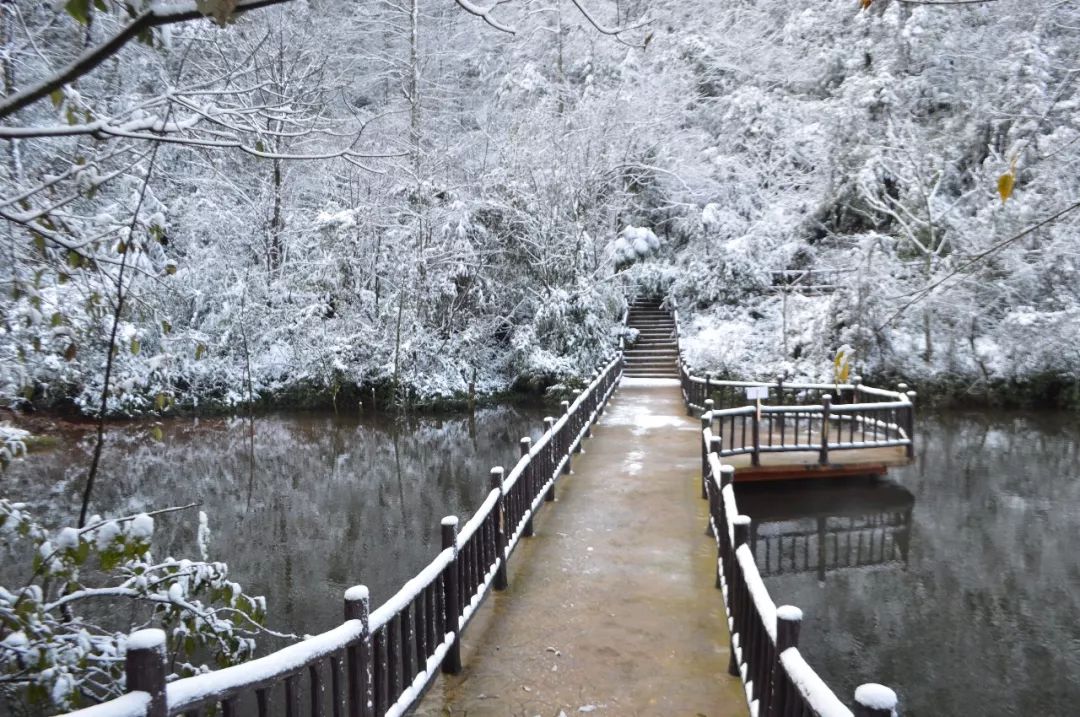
(12, 443)
(64, 624)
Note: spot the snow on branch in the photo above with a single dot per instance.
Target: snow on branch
(157, 15)
(484, 13)
(601, 27)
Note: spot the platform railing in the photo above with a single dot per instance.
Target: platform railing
(799, 416)
(378, 663)
(764, 638)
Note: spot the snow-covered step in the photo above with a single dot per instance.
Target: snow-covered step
(655, 353)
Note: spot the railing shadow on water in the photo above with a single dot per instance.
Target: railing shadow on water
(820, 527)
(379, 662)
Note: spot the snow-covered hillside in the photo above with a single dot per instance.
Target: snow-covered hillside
(320, 197)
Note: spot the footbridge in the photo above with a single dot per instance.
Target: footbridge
(584, 582)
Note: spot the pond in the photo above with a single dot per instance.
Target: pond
(956, 581)
(328, 502)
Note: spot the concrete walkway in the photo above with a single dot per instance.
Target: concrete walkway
(611, 607)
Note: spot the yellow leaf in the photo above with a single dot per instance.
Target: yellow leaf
(156, 433)
(1006, 182)
(865, 3)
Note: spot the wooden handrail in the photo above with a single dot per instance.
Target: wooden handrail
(379, 662)
(764, 652)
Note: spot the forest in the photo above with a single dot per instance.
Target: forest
(317, 197)
(212, 206)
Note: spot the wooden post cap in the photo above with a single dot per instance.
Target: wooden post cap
(741, 524)
(144, 668)
(788, 621)
(874, 700)
(727, 475)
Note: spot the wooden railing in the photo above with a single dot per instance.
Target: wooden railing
(764, 637)
(378, 663)
(800, 417)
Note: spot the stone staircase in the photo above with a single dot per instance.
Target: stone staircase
(655, 354)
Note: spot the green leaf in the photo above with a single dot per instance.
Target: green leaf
(100, 5)
(200, 349)
(57, 97)
(166, 327)
(156, 433)
(160, 401)
(135, 346)
(39, 242)
(259, 146)
(79, 9)
(63, 278)
(56, 319)
(74, 259)
(146, 37)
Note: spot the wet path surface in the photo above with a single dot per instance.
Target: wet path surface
(611, 607)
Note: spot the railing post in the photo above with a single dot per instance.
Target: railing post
(579, 421)
(688, 392)
(708, 390)
(530, 479)
(727, 475)
(571, 436)
(780, 398)
(826, 406)
(451, 597)
(706, 425)
(909, 424)
(360, 657)
(856, 384)
(495, 480)
(594, 404)
(788, 621)
(144, 668)
(741, 528)
(755, 435)
(873, 700)
(714, 491)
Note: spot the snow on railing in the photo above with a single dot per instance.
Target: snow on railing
(764, 637)
(378, 663)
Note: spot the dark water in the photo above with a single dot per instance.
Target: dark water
(956, 581)
(330, 502)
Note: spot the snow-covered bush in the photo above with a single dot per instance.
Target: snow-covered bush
(64, 624)
(12, 443)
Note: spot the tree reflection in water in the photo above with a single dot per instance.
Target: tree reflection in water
(965, 600)
(331, 502)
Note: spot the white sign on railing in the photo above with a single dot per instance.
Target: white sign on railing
(756, 393)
